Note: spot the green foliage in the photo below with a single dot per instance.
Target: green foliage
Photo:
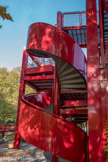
(12, 136)
(29, 90)
(9, 91)
(9, 87)
(106, 147)
(4, 15)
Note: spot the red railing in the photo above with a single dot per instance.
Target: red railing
(50, 132)
(71, 19)
(6, 128)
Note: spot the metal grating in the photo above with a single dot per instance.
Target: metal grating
(74, 96)
(105, 26)
(71, 20)
(74, 24)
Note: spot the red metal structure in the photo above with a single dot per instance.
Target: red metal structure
(6, 128)
(54, 118)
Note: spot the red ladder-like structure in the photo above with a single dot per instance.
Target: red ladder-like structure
(55, 116)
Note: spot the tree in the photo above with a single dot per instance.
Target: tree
(4, 15)
(9, 85)
(9, 91)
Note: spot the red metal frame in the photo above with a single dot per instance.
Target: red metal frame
(101, 32)
(56, 101)
(105, 5)
(6, 128)
(21, 93)
(53, 136)
(74, 13)
(97, 83)
(54, 133)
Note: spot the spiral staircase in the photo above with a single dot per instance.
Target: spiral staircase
(61, 134)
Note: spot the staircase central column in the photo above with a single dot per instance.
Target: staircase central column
(56, 101)
(56, 97)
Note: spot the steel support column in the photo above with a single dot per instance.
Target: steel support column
(56, 101)
(93, 83)
(101, 32)
(17, 139)
(59, 20)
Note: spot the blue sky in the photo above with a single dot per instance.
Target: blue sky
(13, 35)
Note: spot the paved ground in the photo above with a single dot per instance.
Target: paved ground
(26, 152)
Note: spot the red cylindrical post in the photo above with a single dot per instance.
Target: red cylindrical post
(3, 133)
(56, 96)
(17, 139)
(94, 89)
(56, 102)
(59, 20)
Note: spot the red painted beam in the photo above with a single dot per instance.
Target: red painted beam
(43, 77)
(56, 102)
(47, 69)
(68, 13)
(77, 103)
(74, 27)
(35, 60)
(74, 111)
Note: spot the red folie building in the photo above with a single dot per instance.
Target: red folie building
(66, 115)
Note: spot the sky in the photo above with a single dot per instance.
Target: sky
(13, 35)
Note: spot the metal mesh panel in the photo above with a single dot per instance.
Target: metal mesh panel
(83, 19)
(71, 20)
(76, 19)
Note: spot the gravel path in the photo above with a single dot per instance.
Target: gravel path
(26, 152)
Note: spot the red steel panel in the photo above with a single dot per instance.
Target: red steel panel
(51, 134)
(72, 143)
(39, 129)
(94, 109)
(96, 150)
(68, 49)
(45, 37)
